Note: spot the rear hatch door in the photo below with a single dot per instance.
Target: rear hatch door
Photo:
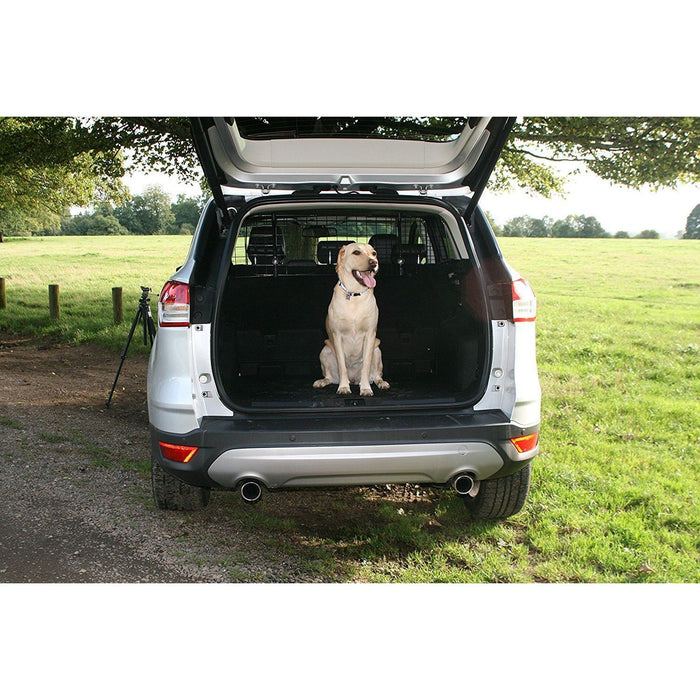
(349, 153)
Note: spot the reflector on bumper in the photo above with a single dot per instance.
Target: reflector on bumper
(525, 443)
(177, 453)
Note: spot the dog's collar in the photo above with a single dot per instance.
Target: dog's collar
(348, 293)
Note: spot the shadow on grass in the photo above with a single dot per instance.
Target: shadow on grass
(337, 531)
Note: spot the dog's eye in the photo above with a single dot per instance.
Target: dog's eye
(356, 252)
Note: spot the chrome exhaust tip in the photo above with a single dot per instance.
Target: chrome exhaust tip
(463, 484)
(251, 491)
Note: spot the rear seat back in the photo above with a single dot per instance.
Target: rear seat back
(385, 244)
(327, 251)
(264, 248)
(277, 325)
(410, 255)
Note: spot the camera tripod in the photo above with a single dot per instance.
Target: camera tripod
(143, 314)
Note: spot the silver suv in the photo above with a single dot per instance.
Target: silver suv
(241, 324)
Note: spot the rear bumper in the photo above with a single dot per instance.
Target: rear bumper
(346, 450)
(354, 465)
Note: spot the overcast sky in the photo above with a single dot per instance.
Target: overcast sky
(617, 208)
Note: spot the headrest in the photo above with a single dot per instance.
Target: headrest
(261, 246)
(410, 254)
(384, 244)
(327, 251)
(318, 231)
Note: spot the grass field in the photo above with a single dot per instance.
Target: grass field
(615, 489)
(86, 269)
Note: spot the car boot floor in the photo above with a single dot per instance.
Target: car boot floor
(298, 392)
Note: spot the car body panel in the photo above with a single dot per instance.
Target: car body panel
(437, 445)
(353, 465)
(363, 444)
(528, 394)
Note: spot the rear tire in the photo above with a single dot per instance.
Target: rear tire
(500, 498)
(169, 493)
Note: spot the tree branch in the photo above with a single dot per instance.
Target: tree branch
(550, 158)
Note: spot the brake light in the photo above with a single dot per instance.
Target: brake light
(177, 453)
(524, 301)
(525, 443)
(174, 305)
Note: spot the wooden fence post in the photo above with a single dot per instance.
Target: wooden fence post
(117, 305)
(3, 298)
(54, 309)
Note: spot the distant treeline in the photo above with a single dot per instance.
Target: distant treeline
(153, 213)
(148, 214)
(573, 226)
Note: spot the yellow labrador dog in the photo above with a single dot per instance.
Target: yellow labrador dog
(351, 354)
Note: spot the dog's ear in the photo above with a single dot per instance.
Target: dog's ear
(341, 255)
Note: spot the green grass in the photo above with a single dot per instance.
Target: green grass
(52, 438)
(86, 269)
(614, 493)
(10, 423)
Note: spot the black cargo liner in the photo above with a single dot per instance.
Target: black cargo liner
(271, 331)
(288, 392)
(270, 325)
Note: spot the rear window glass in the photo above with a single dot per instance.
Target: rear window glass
(289, 238)
(405, 128)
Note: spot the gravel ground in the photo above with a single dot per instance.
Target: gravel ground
(74, 486)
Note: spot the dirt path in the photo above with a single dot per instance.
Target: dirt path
(76, 502)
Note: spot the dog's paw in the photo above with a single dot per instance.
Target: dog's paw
(366, 391)
(320, 383)
(381, 384)
(344, 390)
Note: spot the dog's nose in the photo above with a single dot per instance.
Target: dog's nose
(373, 263)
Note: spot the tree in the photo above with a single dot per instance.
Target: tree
(621, 234)
(497, 230)
(629, 151)
(649, 234)
(528, 227)
(51, 163)
(96, 224)
(62, 160)
(692, 225)
(592, 228)
(185, 229)
(578, 227)
(146, 214)
(28, 220)
(186, 211)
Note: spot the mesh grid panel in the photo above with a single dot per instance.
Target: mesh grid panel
(284, 238)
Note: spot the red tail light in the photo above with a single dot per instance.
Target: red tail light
(526, 442)
(177, 453)
(524, 301)
(174, 305)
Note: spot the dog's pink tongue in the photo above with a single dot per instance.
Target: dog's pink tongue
(368, 280)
